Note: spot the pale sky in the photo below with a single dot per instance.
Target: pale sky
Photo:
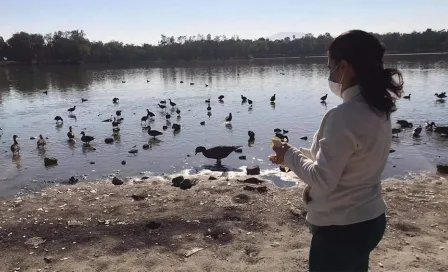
(142, 21)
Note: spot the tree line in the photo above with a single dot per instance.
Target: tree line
(74, 47)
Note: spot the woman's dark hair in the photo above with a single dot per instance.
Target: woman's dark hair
(364, 53)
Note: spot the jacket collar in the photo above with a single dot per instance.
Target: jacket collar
(351, 92)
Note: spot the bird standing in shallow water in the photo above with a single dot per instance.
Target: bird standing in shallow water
(207, 101)
(70, 134)
(15, 148)
(86, 139)
(209, 108)
(417, 131)
(176, 127)
(441, 95)
(115, 100)
(404, 124)
(243, 98)
(41, 142)
(162, 106)
(71, 110)
(323, 98)
(407, 96)
(59, 118)
(178, 111)
(229, 118)
(249, 101)
(221, 97)
(273, 98)
(172, 103)
(153, 133)
(218, 153)
(251, 135)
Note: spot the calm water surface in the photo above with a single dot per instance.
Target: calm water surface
(27, 112)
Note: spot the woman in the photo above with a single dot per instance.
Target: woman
(342, 169)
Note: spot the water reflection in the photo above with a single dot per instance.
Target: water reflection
(16, 159)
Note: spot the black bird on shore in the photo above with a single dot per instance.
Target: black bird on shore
(221, 97)
(439, 129)
(58, 118)
(115, 100)
(417, 131)
(404, 124)
(395, 132)
(430, 126)
(407, 96)
(123, 81)
(273, 98)
(71, 110)
(86, 139)
(181, 81)
(147, 81)
(202, 123)
(323, 98)
(153, 133)
(217, 153)
(191, 83)
(206, 85)
(229, 118)
(172, 103)
(285, 131)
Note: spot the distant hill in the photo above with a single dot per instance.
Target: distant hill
(282, 35)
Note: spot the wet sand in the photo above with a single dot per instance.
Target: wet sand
(217, 225)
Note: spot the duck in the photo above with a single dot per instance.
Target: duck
(243, 98)
(277, 130)
(147, 81)
(153, 133)
(218, 153)
(417, 131)
(118, 112)
(202, 123)
(430, 126)
(86, 139)
(59, 119)
(251, 135)
(249, 101)
(107, 120)
(115, 123)
(123, 81)
(181, 82)
(441, 95)
(207, 100)
(15, 148)
(396, 131)
(229, 118)
(168, 116)
(282, 137)
(84, 100)
(150, 114)
(206, 85)
(163, 102)
(178, 111)
(191, 83)
(285, 131)
(441, 130)
(209, 108)
(41, 142)
(115, 100)
(221, 97)
(165, 127)
(404, 124)
(407, 96)
(71, 110)
(70, 134)
(273, 98)
(172, 103)
(162, 106)
(323, 98)
(176, 127)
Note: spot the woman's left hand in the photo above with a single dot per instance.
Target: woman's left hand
(280, 153)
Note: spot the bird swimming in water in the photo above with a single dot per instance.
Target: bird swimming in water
(430, 126)
(207, 100)
(41, 142)
(168, 116)
(243, 98)
(172, 103)
(209, 108)
(46, 92)
(440, 130)
(191, 83)
(206, 85)
(202, 123)
(70, 134)
(15, 148)
(229, 118)
(181, 82)
(178, 111)
(396, 131)
(115, 100)
(86, 139)
(58, 118)
(249, 101)
(221, 97)
(218, 153)
(251, 135)
(123, 81)
(165, 127)
(71, 110)
(285, 131)
(407, 96)
(277, 130)
(404, 124)
(144, 119)
(118, 112)
(273, 98)
(441, 95)
(84, 100)
(163, 102)
(176, 127)
(323, 98)
(115, 123)
(153, 133)
(417, 131)
(147, 81)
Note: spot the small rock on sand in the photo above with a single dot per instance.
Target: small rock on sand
(153, 225)
(73, 180)
(253, 181)
(177, 181)
(123, 162)
(442, 168)
(258, 189)
(253, 170)
(146, 146)
(212, 178)
(117, 181)
(186, 184)
(109, 140)
(138, 197)
(48, 259)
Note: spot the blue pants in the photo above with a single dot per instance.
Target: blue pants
(345, 248)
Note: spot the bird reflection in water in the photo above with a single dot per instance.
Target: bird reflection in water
(72, 145)
(72, 116)
(153, 142)
(59, 126)
(229, 126)
(16, 159)
(41, 152)
(273, 105)
(323, 103)
(178, 117)
(250, 108)
(87, 149)
(209, 114)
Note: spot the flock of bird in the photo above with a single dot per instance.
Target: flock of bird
(219, 152)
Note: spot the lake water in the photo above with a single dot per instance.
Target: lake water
(26, 112)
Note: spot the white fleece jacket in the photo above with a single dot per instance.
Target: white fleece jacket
(343, 167)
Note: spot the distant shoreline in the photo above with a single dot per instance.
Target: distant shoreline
(19, 63)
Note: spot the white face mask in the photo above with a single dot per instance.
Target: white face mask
(335, 87)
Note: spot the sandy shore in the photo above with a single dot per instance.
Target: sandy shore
(215, 226)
